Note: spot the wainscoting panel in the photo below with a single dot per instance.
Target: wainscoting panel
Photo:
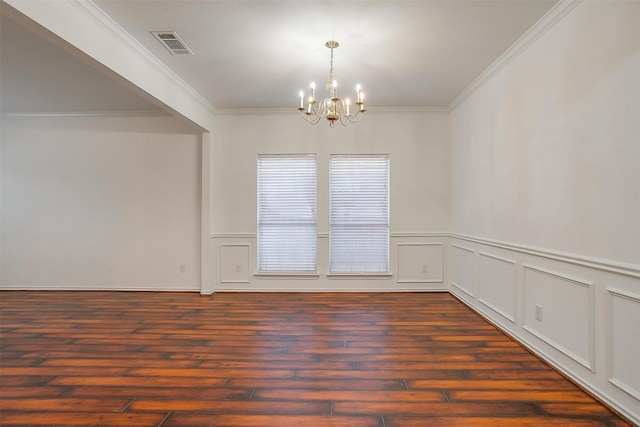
(580, 314)
(234, 263)
(559, 311)
(624, 310)
(497, 284)
(463, 271)
(420, 262)
(416, 264)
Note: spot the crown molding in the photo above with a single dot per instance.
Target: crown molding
(294, 111)
(548, 21)
(407, 110)
(255, 111)
(85, 114)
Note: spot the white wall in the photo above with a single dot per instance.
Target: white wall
(546, 153)
(545, 182)
(417, 145)
(100, 203)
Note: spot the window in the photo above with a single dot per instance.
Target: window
(287, 213)
(359, 214)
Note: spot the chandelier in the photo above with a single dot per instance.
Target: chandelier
(333, 108)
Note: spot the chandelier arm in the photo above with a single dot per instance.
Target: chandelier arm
(315, 113)
(321, 109)
(309, 118)
(342, 112)
(356, 119)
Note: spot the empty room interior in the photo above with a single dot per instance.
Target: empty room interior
(320, 213)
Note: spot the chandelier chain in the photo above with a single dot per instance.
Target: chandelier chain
(330, 79)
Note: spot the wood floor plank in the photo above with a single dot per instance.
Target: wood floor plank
(64, 404)
(569, 409)
(321, 384)
(520, 396)
(199, 393)
(57, 371)
(43, 391)
(350, 395)
(290, 359)
(80, 418)
(236, 406)
(100, 380)
(217, 420)
(436, 408)
(475, 385)
(119, 363)
(212, 373)
(394, 421)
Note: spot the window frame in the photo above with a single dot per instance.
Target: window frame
(335, 270)
(262, 221)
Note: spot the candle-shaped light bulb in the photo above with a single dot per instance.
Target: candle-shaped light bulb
(361, 101)
(358, 93)
(313, 90)
(348, 102)
(301, 93)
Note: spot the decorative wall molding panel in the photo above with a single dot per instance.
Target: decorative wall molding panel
(420, 262)
(234, 262)
(624, 351)
(497, 285)
(463, 269)
(559, 311)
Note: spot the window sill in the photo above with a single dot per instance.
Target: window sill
(352, 276)
(285, 275)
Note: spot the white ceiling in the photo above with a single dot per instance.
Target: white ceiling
(259, 54)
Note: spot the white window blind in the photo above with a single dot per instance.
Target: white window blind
(287, 213)
(359, 214)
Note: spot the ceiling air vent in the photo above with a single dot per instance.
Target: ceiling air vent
(173, 43)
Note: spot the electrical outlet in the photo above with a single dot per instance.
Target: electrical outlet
(538, 312)
(238, 268)
(183, 268)
(425, 268)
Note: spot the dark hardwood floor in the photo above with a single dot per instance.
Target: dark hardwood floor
(232, 359)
